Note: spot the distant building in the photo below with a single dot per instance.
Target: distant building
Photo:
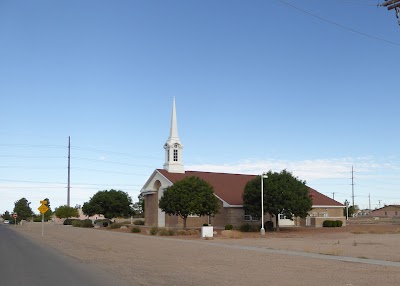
(228, 188)
(387, 211)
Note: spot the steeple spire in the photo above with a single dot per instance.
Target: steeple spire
(173, 147)
(173, 131)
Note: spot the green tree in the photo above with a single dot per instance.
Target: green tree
(190, 196)
(110, 203)
(6, 216)
(23, 209)
(353, 210)
(283, 194)
(49, 213)
(66, 212)
(138, 207)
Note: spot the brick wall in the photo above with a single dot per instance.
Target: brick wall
(151, 210)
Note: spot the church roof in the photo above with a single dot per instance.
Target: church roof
(229, 187)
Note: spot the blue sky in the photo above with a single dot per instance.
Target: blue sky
(259, 85)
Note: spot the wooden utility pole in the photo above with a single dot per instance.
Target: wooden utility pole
(69, 170)
(393, 4)
(352, 183)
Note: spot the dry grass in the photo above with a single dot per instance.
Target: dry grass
(231, 234)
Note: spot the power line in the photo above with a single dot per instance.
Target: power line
(337, 24)
(112, 152)
(106, 171)
(111, 162)
(32, 157)
(33, 146)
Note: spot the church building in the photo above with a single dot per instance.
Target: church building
(228, 188)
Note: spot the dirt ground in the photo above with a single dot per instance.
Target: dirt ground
(139, 259)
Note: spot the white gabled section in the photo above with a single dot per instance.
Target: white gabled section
(156, 184)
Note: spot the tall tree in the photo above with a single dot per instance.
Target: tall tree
(23, 209)
(6, 215)
(66, 212)
(110, 203)
(190, 196)
(283, 194)
(49, 213)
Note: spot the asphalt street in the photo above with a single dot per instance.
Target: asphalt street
(24, 262)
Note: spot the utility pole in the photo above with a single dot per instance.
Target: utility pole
(333, 195)
(69, 170)
(352, 183)
(369, 201)
(393, 4)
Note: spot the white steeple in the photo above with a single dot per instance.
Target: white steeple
(173, 147)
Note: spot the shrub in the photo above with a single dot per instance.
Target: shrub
(166, 232)
(87, 223)
(138, 222)
(76, 223)
(69, 221)
(154, 230)
(115, 225)
(37, 219)
(246, 227)
(327, 223)
(182, 232)
(135, 229)
(193, 232)
(205, 224)
(339, 223)
(334, 224)
(228, 227)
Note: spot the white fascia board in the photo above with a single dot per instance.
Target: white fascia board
(147, 190)
(156, 171)
(336, 207)
(143, 190)
(226, 205)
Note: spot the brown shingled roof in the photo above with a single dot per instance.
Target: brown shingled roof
(229, 187)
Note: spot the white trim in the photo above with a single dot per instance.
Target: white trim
(147, 192)
(148, 180)
(161, 214)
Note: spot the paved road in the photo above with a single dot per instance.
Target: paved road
(22, 262)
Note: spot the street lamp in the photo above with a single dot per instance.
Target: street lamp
(262, 230)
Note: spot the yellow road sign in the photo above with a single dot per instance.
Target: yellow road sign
(43, 209)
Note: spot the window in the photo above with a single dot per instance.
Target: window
(395, 213)
(385, 213)
(281, 216)
(175, 155)
(248, 217)
(323, 214)
(168, 155)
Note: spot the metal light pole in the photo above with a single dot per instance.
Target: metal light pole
(262, 230)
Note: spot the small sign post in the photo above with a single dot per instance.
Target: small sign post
(43, 209)
(15, 215)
